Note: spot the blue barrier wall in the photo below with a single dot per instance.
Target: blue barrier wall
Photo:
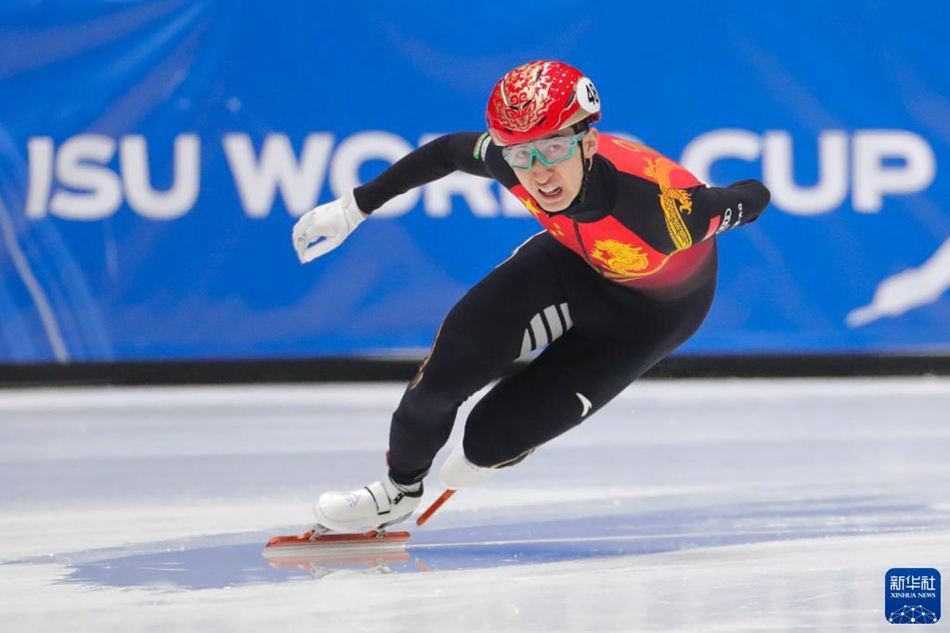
(154, 157)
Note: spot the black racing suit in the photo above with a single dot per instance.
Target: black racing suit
(614, 284)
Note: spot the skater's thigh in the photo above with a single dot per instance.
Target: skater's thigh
(577, 375)
(485, 331)
(558, 390)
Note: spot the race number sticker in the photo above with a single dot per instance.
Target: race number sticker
(587, 95)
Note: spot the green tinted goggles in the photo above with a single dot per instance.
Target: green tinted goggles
(550, 151)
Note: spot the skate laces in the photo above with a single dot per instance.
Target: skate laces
(409, 489)
(412, 491)
(387, 494)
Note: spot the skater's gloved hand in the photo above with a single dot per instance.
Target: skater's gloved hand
(322, 229)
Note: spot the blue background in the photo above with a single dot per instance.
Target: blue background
(217, 283)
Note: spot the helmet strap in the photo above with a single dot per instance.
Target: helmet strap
(588, 163)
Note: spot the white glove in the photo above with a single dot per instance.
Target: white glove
(322, 229)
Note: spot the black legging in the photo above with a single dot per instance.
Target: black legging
(601, 337)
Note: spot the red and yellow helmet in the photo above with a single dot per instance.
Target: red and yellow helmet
(537, 99)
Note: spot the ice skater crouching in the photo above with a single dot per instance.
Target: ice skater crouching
(623, 273)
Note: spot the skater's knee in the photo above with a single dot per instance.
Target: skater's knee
(496, 452)
(444, 383)
(426, 398)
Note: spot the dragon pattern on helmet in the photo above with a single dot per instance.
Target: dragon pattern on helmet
(538, 99)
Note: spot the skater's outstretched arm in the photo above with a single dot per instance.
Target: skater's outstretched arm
(324, 228)
(470, 152)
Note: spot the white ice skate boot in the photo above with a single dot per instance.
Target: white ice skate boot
(457, 472)
(372, 507)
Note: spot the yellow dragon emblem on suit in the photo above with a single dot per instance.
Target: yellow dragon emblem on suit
(675, 202)
(621, 258)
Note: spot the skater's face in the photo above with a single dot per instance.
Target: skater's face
(555, 186)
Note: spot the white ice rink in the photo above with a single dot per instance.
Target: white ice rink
(682, 506)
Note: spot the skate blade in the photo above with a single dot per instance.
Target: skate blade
(368, 542)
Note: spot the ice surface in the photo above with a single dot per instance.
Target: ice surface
(682, 506)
